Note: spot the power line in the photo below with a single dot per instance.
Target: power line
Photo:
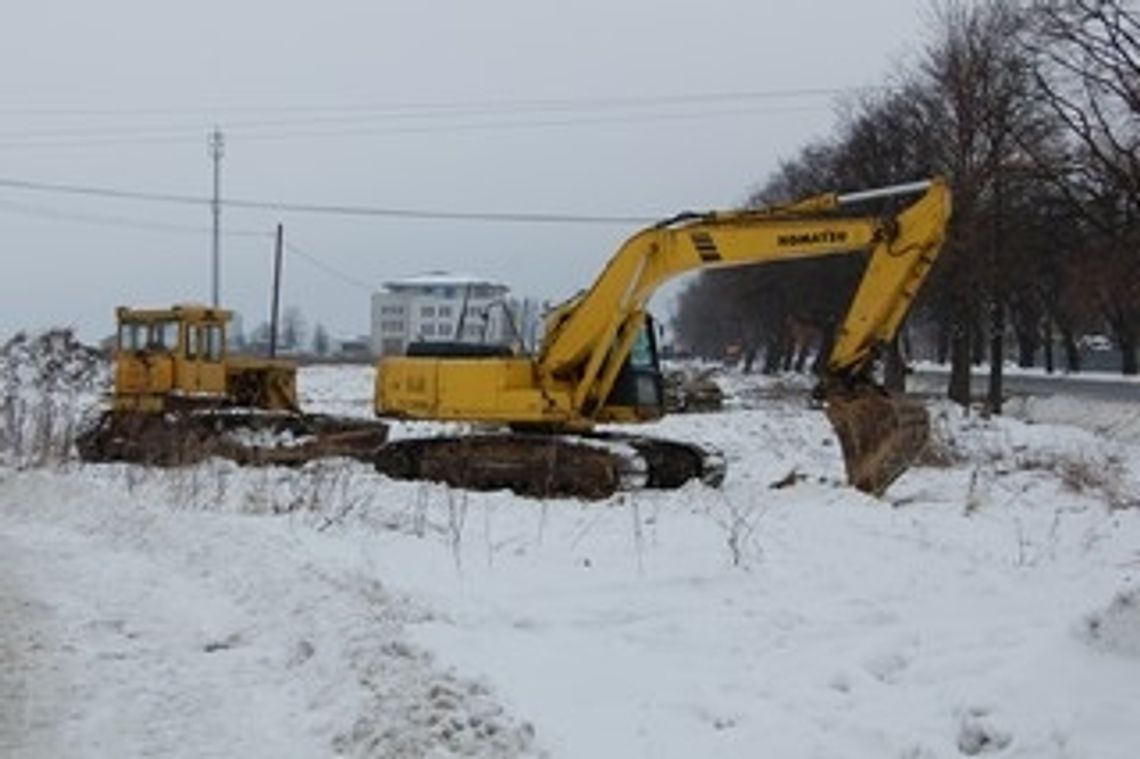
(158, 136)
(517, 217)
(328, 269)
(369, 113)
(106, 220)
(127, 223)
(211, 111)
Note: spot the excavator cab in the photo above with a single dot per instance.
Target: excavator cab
(639, 391)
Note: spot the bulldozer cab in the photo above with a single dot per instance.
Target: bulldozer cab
(169, 354)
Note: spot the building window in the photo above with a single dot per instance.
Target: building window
(392, 310)
(392, 326)
(445, 329)
(444, 312)
(427, 311)
(427, 329)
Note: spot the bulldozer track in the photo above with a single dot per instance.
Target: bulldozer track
(249, 438)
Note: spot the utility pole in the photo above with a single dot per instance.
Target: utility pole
(276, 291)
(217, 146)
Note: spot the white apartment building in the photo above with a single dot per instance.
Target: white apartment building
(444, 307)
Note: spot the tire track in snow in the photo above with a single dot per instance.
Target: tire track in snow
(153, 632)
(121, 657)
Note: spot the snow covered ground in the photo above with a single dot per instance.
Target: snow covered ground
(990, 604)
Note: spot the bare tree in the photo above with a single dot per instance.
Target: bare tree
(293, 328)
(976, 83)
(1088, 68)
(321, 341)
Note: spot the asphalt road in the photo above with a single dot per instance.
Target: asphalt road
(1097, 386)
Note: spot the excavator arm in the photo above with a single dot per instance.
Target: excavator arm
(589, 339)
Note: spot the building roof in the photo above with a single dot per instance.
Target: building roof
(442, 279)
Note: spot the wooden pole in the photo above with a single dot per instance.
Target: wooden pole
(276, 291)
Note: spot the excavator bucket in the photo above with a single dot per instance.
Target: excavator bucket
(881, 434)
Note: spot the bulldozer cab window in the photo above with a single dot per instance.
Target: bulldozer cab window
(215, 342)
(192, 341)
(163, 336)
(132, 336)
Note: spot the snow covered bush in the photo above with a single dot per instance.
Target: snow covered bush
(47, 381)
(996, 447)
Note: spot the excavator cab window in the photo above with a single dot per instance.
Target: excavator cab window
(639, 382)
(643, 355)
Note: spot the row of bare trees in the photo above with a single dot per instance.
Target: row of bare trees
(1032, 112)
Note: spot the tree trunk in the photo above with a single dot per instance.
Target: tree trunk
(943, 346)
(1072, 352)
(750, 358)
(894, 370)
(960, 355)
(977, 343)
(1124, 334)
(997, 356)
(1027, 342)
(1126, 339)
(802, 354)
(771, 354)
(1047, 345)
(826, 343)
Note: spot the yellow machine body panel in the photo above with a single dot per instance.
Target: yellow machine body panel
(262, 383)
(470, 389)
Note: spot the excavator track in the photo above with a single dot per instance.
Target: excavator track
(250, 438)
(591, 466)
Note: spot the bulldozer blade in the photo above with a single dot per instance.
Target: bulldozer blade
(880, 434)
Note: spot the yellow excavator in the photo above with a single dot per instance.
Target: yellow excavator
(598, 362)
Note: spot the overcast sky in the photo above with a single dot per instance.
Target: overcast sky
(579, 108)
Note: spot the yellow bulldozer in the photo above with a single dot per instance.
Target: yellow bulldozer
(179, 397)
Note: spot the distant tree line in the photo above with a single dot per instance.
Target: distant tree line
(291, 336)
(1031, 110)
